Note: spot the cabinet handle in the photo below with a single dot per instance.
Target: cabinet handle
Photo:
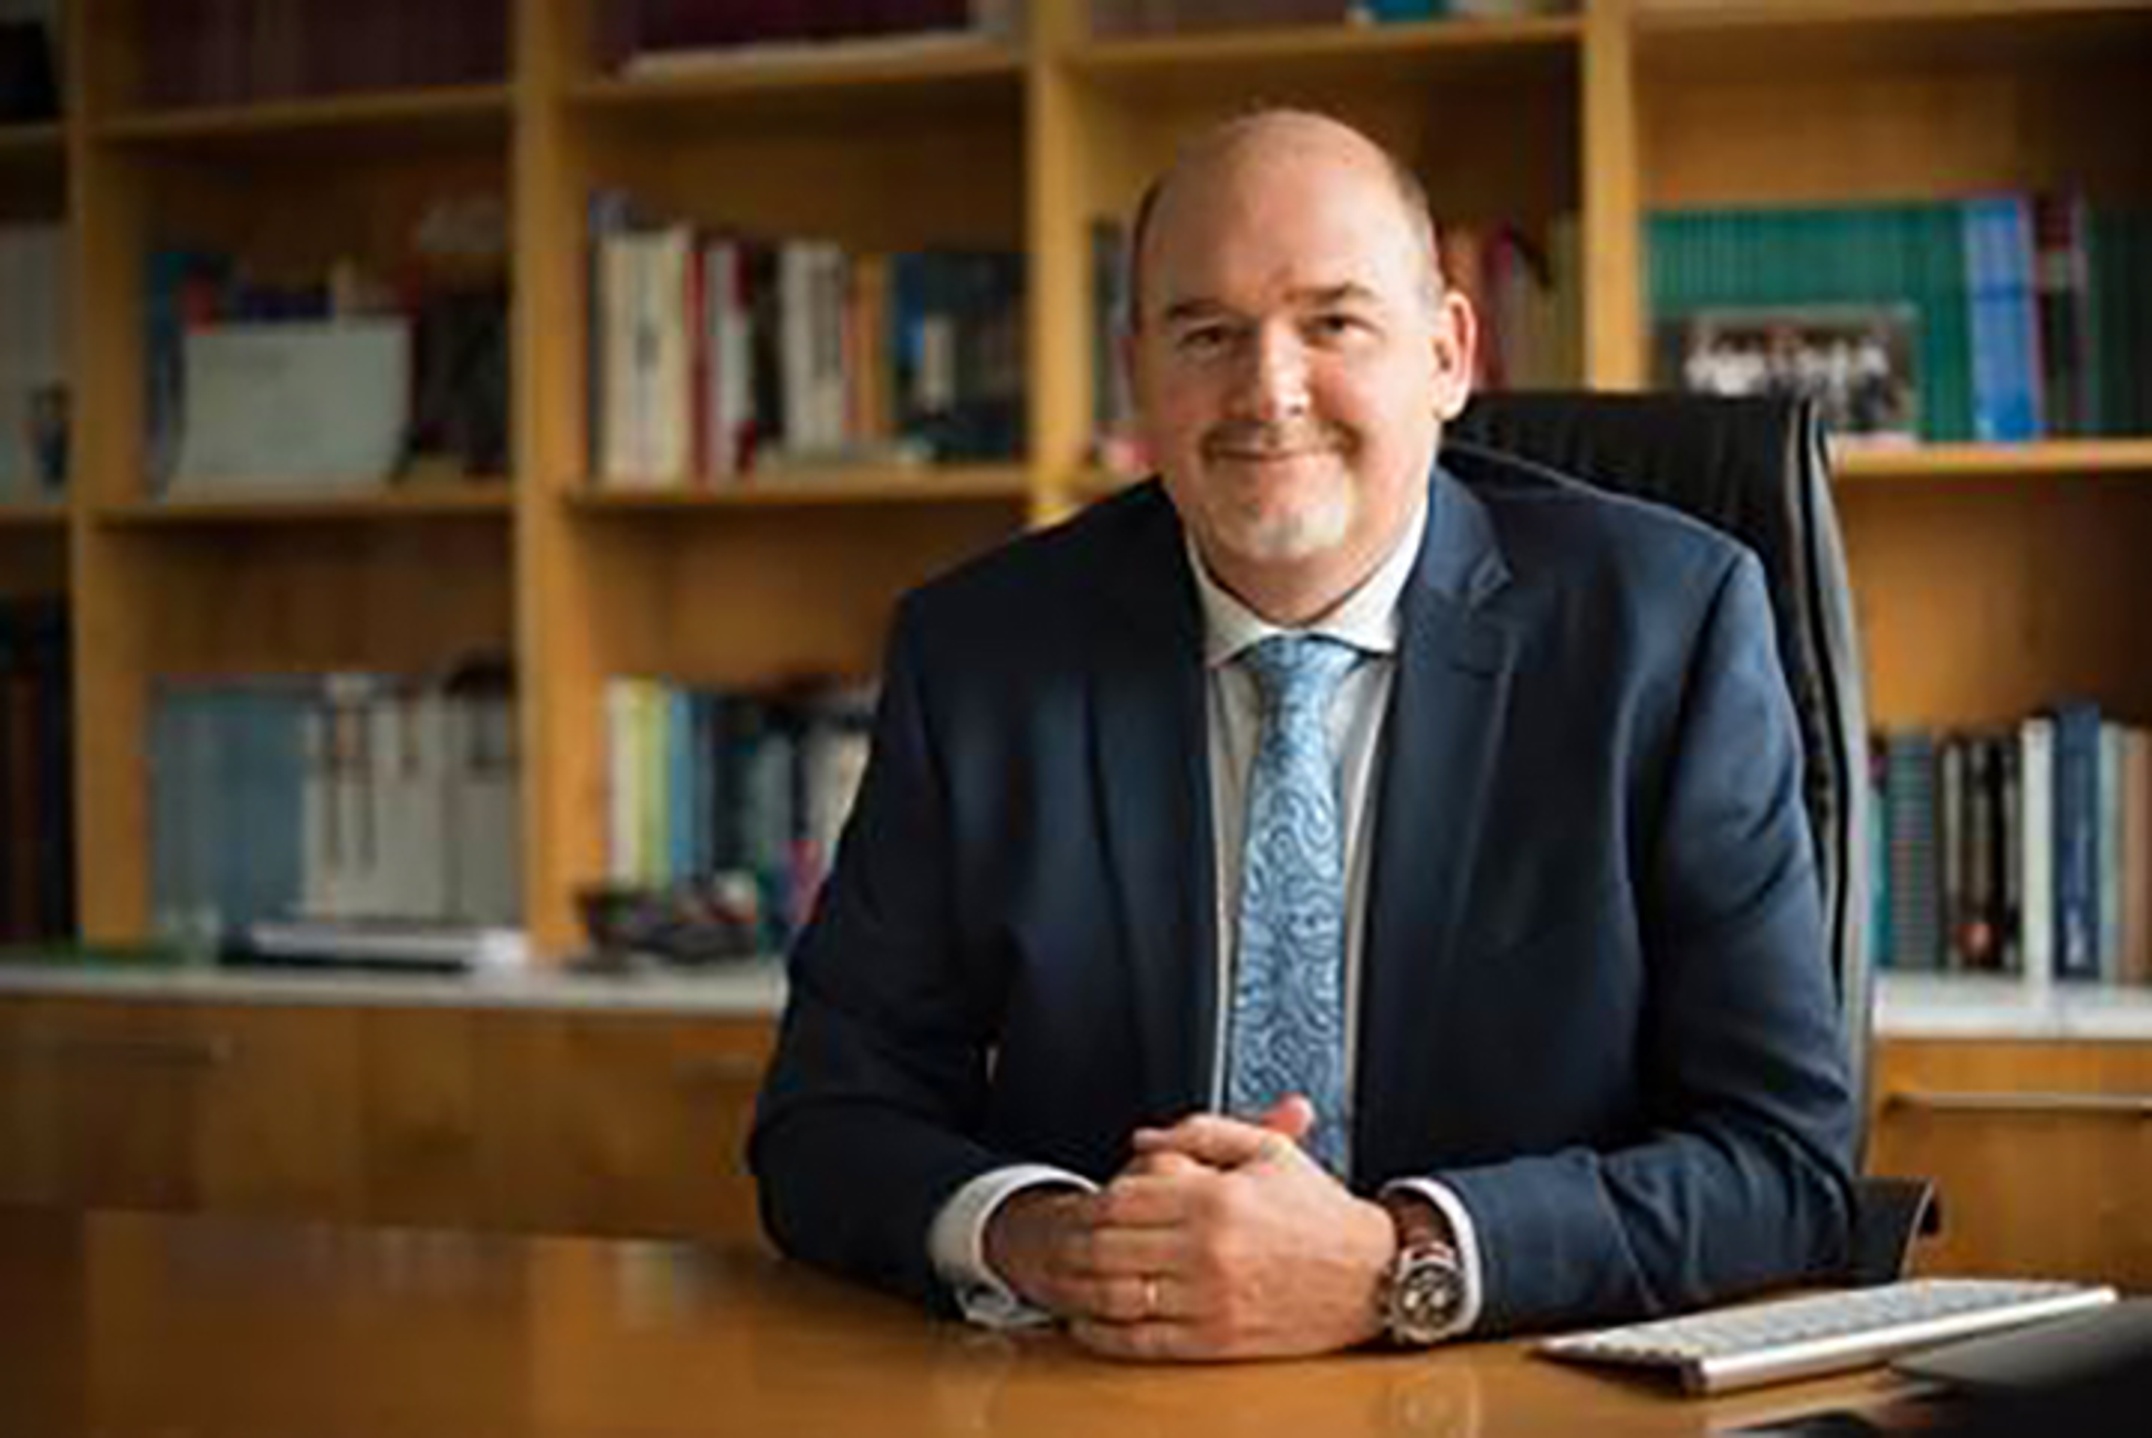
(717, 1070)
(2092, 1105)
(194, 1054)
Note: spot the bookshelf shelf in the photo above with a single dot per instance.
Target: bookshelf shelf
(417, 115)
(1285, 62)
(45, 142)
(33, 516)
(479, 497)
(1893, 31)
(1958, 461)
(1291, 46)
(807, 488)
(827, 81)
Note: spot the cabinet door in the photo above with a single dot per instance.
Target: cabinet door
(428, 1155)
(626, 1124)
(276, 1121)
(97, 1102)
(2042, 1152)
(29, 1145)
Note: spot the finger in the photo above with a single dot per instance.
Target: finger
(1117, 1252)
(1164, 1163)
(1215, 1140)
(1151, 1201)
(1140, 1342)
(1293, 1116)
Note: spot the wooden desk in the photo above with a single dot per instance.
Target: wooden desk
(129, 1325)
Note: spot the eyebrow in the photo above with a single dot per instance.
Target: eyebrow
(1313, 297)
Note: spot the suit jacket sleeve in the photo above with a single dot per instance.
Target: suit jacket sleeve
(1741, 1176)
(880, 1068)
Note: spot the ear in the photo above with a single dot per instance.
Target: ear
(1129, 350)
(1456, 342)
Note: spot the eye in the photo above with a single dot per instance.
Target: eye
(1335, 324)
(1202, 340)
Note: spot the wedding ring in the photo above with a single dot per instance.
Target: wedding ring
(1150, 1295)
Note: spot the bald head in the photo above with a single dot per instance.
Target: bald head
(1222, 155)
(1293, 355)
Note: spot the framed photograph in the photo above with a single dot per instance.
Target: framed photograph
(1855, 361)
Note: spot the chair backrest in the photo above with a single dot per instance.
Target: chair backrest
(1756, 469)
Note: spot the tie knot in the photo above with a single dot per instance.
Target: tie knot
(1298, 673)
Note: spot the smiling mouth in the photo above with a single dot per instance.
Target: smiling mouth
(1266, 456)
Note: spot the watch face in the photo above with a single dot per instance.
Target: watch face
(1426, 1295)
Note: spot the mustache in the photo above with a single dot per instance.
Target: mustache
(1263, 437)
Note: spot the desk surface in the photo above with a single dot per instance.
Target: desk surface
(127, 1326)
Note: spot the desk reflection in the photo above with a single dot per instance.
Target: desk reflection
(138, 1326)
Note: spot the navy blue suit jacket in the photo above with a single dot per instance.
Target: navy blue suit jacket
(1594, 993)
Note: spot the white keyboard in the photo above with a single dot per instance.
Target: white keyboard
(1815, 1333)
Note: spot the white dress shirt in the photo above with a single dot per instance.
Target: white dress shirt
(1368, 620)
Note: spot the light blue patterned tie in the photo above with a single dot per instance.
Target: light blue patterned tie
(1288, 1018)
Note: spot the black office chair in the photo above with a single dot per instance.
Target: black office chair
(1757, 469)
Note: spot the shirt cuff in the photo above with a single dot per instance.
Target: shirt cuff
(956, 1243)
(1462, 1234)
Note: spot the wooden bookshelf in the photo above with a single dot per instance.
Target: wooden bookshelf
(478, 497)
(2046, 459)
(33, 517)
(45, 140)
(418, 117)
(863, 78)
(1261, 57)
(1990, 578)
(969, 484)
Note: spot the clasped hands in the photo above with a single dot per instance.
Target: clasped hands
(1221, 1239)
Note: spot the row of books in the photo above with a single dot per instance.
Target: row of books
(33, 361)
(658, 36)
(342, 380)
(230, 52)
(29, 72)
(334, 797)
(1173, 17)
(1527, 288)
(2025, 850)
(754, 785)
(714, 356)
(1994, 318)
(37, 844)
(1525, 284)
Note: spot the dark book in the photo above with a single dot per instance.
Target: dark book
(2063, 280)
(459, 378)
(28, 92)
(2077, 841)
(2009, 843)
(1915, 860)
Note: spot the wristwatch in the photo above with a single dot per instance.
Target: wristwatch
(1423, 1291)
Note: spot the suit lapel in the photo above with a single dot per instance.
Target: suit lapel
(1440, 745)
(1150, 772)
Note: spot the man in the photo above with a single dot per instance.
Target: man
(1319, 897)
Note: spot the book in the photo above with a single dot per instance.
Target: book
(29, 88)
(2036, 847)
(2077, 841)
(2002, 316)
(1908, 254)
(33, 361)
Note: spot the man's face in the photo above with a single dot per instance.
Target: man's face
(1292, 368)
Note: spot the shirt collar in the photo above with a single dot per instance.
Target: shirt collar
(1367, 618)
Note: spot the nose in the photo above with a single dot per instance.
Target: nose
(1272, 382)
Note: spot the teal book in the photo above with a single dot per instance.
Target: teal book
(1829, 256)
